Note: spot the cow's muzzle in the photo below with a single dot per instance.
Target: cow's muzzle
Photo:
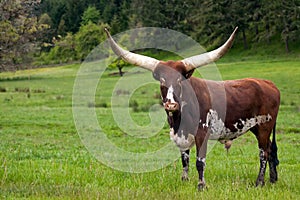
(171, 107)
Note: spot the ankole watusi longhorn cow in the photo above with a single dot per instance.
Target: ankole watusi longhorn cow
(197, 112)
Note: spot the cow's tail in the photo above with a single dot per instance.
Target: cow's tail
(274, 147)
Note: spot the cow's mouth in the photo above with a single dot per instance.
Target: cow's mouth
(174, 120)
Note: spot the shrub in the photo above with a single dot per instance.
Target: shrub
(2, 89)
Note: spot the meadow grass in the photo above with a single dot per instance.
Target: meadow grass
(42, 156)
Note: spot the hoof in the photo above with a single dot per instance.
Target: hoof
(259, 183)
(273, 180)
(273, 176)
(184, 177)
(201, 186)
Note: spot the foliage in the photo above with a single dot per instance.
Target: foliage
(73, 47)
(210, 22)
(62, 52)
(8, 40)
(90, 14)
(88, 37)
(21, 31)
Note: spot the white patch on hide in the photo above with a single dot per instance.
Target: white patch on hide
(182, 142)
(216, 127)
(201, 159)
(218, 131)
(170, 94)
(249, 123)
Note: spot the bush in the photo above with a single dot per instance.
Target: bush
(134, 105)
(62, 52)
(88, 37)
(2, 89)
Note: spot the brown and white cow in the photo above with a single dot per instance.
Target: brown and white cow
(198, 109)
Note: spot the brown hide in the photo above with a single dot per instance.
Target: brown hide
(245, 99)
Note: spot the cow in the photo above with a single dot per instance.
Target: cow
(198, 109)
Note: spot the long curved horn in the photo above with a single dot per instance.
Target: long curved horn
(132, 58)
(209, 57)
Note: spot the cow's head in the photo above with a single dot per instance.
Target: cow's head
(173, 75)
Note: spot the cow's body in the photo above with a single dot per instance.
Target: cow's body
(241, 114)
(199, 109)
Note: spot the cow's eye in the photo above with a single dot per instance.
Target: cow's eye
(156, 76)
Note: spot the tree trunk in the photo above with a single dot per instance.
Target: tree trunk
(120, 71)
(256, 33)
(120, 68)
(268, 32)
(286, 41)
(245, 40)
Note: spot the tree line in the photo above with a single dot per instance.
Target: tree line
(56, 31)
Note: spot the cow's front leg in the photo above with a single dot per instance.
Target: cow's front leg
(185, 159)
(200, 164)
(201, 145)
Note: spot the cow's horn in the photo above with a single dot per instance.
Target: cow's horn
(209, 57)
(132, 58)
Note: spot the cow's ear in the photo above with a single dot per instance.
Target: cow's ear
(188, 74)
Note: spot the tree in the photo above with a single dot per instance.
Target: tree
(9, 38)
(290, 17)
(55, 9)
(75, 9)
(109, 12)
(256, 16)
(119, 64)
(20, 26)
(88, 37)
(64, 51)
(243, 15)
(163, 13)
(45, 35)
(282, 17)
(216, 19)
(90, 14)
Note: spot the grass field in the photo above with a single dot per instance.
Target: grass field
(43, 157)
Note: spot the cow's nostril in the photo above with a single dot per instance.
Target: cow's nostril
(171, 106)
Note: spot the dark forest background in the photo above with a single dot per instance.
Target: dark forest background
(41, 32)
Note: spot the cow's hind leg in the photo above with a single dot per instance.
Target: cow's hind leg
(201, 146)
(273, 159)
(263, 136)
(185, 159)
(262, 169)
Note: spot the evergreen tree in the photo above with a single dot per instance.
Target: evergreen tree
(109, 12)
(216, 20)
(290, 21)
(72, 17)
(282, 17)
(90, 14)
(55, 9)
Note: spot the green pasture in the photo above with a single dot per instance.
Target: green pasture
(43, 157)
